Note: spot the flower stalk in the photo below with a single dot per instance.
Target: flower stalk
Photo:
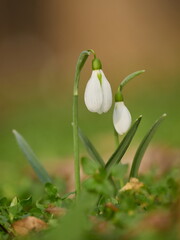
(121, 115)
(80, 63)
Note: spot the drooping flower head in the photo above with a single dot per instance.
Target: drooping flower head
(121, 115)
(98, 94)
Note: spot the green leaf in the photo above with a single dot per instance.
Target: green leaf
(89, 167)
(14, 208)
(3, 201)
(14, 202)
(143, 146)
(119, 171)
(120, 151)
(32, 159)
(51, 189)
(129, 77)
(26, 203)
(103, 187)
(90, 148)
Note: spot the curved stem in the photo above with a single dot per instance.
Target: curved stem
(80, 63)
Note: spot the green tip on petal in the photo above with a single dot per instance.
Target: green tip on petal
(99, 75)
(96, 64)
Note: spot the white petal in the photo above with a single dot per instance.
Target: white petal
(107, 94)
(121, 118)
(93, 93)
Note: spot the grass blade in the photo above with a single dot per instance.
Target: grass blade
(129, 77)
(143, 146)
(32, 159)
(120, 151)
(90, 148)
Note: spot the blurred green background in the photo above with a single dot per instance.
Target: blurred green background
(40, 42)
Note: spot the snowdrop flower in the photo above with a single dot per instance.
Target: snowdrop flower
(98, 94)
(121, 115)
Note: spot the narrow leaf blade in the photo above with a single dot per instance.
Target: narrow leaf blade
(90, 148)
(120, 151)
(129, 77)
(143, 146)
(32, 159)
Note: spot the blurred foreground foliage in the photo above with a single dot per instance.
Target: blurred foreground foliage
(140, 209)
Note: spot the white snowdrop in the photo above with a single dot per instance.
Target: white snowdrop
(98, 94)
(121, 118)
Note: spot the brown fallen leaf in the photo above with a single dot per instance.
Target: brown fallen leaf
(100, 226)
(111, 206)
(133, 184)
(158, 220)
(26, 225)
(56, 211)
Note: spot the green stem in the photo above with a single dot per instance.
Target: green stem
(80, 63)
(76, 145)
(116, 138)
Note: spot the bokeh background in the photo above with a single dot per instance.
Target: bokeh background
(40, 42)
